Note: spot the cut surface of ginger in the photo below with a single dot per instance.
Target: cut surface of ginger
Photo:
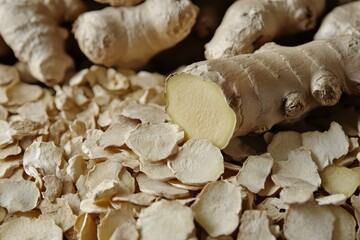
(210, 116)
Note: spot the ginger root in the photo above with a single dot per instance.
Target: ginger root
(343, 20)
(31, 30)
(249, 93)
(131, 36)
(248, 24)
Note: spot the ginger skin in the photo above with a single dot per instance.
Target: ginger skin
(342, 20)
(131, 36)
(248, 24)
(31, 30)
(273, 85)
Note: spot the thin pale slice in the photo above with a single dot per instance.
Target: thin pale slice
(53, 186)
(140, 198)
(217, 208)
(3, 214)
(166, 220)
(200, 108)
(197, 163)
(299, 171)
(85, 226)
(30, 228)
(296, 195)
(10, 150)
(149, 113)
(254, 225)
(90, 206)
(44, 156)
(326, 146)
(8, 74)
(34, 111)
(8, 166)
(178, 184)
(282, 143)
(345, 224)
(334, 199)
(59, 211)
(276, 209)
(112, 220)
(255, 171)
(339, 179)
(18, 195)
(159, 188)
(157, 171)
(126, 231)
(309, 221)
(107, 189)
(155, 142)
(6, 133)
(22, 93)
(115, 134)
(270, 188)
(76, 167)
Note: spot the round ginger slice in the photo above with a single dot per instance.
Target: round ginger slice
(166, 220)
(197, 163)
(209, 117)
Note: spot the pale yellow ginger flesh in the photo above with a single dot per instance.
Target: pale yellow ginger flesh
(265, 88)
(200, 107)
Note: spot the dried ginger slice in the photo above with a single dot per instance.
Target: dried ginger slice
(59, 211)
(30, 228)
(18, 94)
(254, 225)
(345, 224)
(334, 199)
(53, 186)
(126, 231)
(159, 188)
(6, 134)
(254, 172)
(282, 143)
(197, 163)
(8, 166)
(338, 179)
(116, 133)
(19, 196)
(34, 111)
(326, 146)
(112, 220)
(10, 150)
(156, 171)
(155, 142)
(140, 198)
(8, 74)
(217, 208)
(299, 171)
(276, 209)
(149, 113)
(309, 221)
(85, 227)
(166, 220)
(297, 194)
(44, 156)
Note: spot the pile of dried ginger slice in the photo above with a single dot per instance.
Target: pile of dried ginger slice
(98, 158)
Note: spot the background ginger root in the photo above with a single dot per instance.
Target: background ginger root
(248, 24)
(343, 20)
(219, 98)
(31, 30)
(130, 36)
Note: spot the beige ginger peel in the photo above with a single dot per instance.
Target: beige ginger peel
(221, 98)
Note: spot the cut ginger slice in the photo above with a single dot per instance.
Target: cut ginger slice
(209, 117)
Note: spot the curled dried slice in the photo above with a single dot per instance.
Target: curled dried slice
(299, 171)
(335, 199)
(8, 74)
(255, 171)
(8, 166)
(140, 198)
(85, 227)
(112, 220)
(282, 143)
(166, 220)
(10, 150)
(159, 188)
(59, 211)
(30, 228)
(6, 133)
(117, 131)
(296, 195)
(326, 146)
(44, 156)
(217, 208)
(338, 179)
(198, 162)
(154, 142)
(150, 113)
(53, 186)
(19, 196)
(157, 171)
(309, 221)
(18, 94)
(254, 225)
(276, 209)
(345, 224)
